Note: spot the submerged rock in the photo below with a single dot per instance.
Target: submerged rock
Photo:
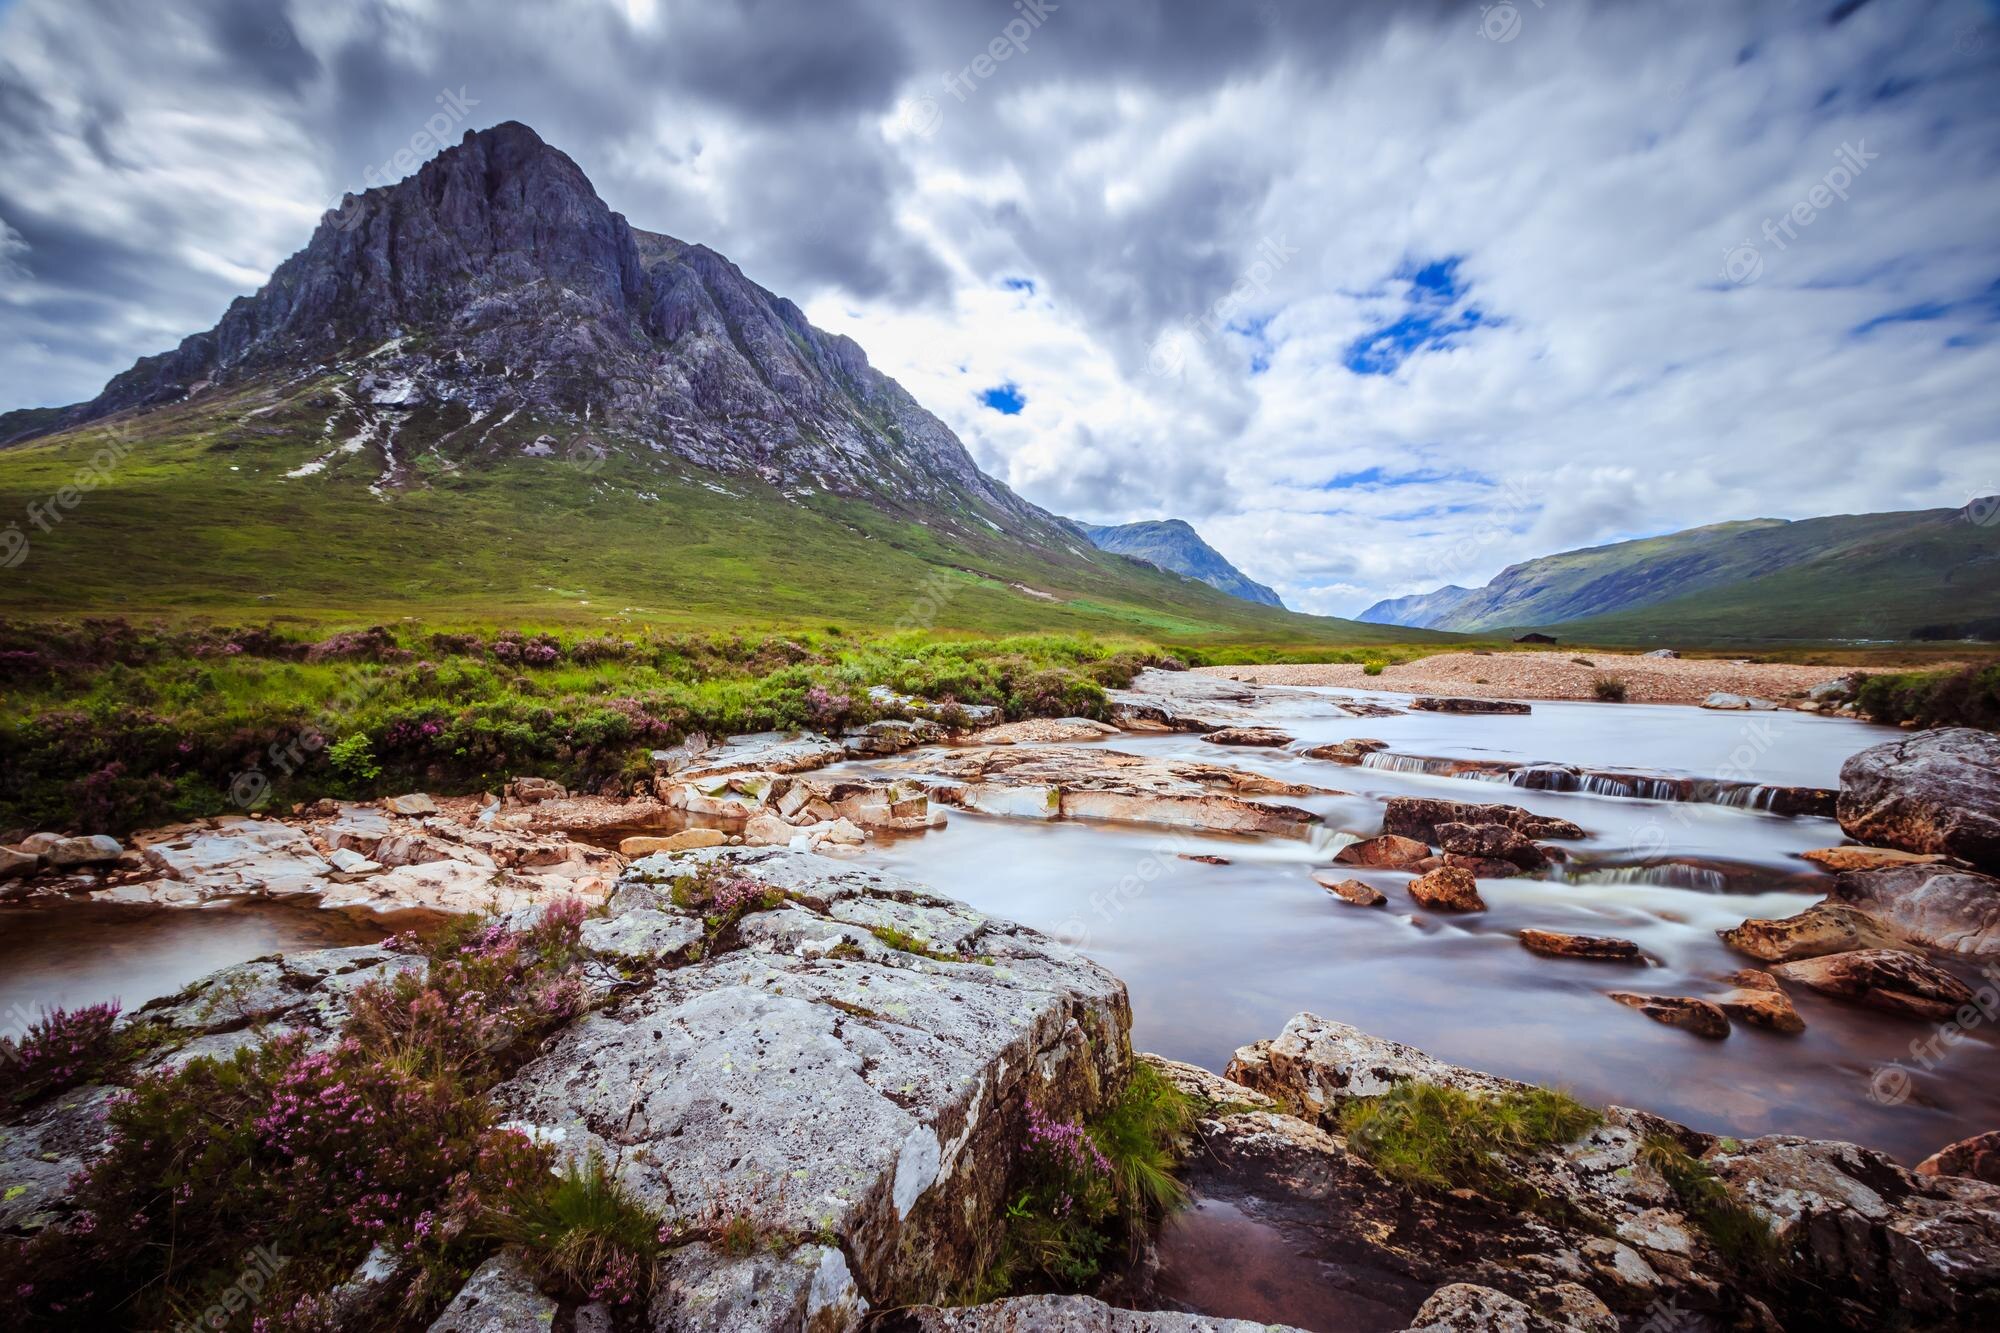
(1935, 791)
(1678, 1011)
(1885, 979)
(1448, 704)
(1851, 857)
(1352, 890)
(1557, 944)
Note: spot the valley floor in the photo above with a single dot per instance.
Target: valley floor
(1556, 675)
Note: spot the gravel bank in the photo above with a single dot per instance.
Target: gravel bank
(1554, 675)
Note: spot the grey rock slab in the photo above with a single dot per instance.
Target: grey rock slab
(804, 1290)
(1074, 1314)
(40, 1154)
(500, 1297)
(251, 857)
(1957, 911)
(1934, 791)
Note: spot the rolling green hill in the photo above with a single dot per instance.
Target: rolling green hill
(194, 514)
(1868, 577)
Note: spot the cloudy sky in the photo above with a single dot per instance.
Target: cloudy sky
(1378, 296)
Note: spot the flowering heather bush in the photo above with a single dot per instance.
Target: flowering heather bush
(826, 710)
(366, 645)
(63, 1048)
(386, 1137)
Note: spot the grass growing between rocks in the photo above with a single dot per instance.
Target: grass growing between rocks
(1082, 1188)
(1441, 1138)
(582, 1235)
(1739, 1232)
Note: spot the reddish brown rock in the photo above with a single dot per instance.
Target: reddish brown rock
(1419, 817)
(1353, 890)
(1837, 859)
(1558, 944)
(1678, 1011)
(1446, 704)
(1491, 842)
(1204, 859)
(1941, 906)
(1821, 929)
(1761, 1002)
(1482, 867)
(1388, 852)
(1977, 1158)
(1449, 889)
(1255, 737)
(1901, 983)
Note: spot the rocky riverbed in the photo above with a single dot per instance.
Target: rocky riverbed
(851, 1061)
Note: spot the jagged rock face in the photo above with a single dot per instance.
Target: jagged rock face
(513, 287)
(1937, 905)
(1936, 791)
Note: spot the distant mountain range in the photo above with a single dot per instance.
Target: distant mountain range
(1173, 545)
(481, 391)
(1925, 574)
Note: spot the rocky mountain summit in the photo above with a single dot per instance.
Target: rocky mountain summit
(495, 284)
(1173, 545)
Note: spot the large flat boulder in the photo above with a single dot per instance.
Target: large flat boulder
(1945, 908)
(826, 1082)
(1824, 928)
(1934, 791)
(1900, 983)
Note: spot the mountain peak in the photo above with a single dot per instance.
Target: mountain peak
(1173, 544)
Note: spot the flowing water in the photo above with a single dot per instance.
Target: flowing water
(1218, 956)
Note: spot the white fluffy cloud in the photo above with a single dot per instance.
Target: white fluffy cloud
(1540, 239)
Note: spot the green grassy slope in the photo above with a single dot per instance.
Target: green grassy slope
(1842, 578)
(198, 518)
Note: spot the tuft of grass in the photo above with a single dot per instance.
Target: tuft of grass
(581, 1232)
(1608, 690)
(1371, 669)
(1143, 1134)
(1739, 1232)
(1441, 1138)
(904, 942)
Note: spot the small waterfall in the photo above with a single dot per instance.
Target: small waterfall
(1665, 874)
(1411, 763)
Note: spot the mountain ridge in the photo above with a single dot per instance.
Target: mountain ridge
(1173, 545)
(1925, 571)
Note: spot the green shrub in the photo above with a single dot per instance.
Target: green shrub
(1608, 690)
(353, 758)
(1442, 1138)
(1966, 698)
(1371, 669)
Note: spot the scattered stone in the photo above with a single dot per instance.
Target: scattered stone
(686, 840)
(809, 1289)
(1935, 791)
(1479, 867)
(14, 864)
(1560, 944)
(973, 715)
(416, 803)
(71, 853)
(353, 864)
(1449, 704)
(1256, 737)
(1353, 890)
(1447, 889)
(1726, 702)
(1851, 857)
(1203, 858)
(1184, 701)
(529, 791)
(1678, 1011)
(38, 843)
(754, 752)
(1043, 731)
(1939, 906)
(1389, 851)
(1491, 842)
(1759, 1001)
(892, 736)
(1824, 928)
(1976, 1158)
(1662, 653)
(1350, 752)
(1419, 817)
(1900, 983)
